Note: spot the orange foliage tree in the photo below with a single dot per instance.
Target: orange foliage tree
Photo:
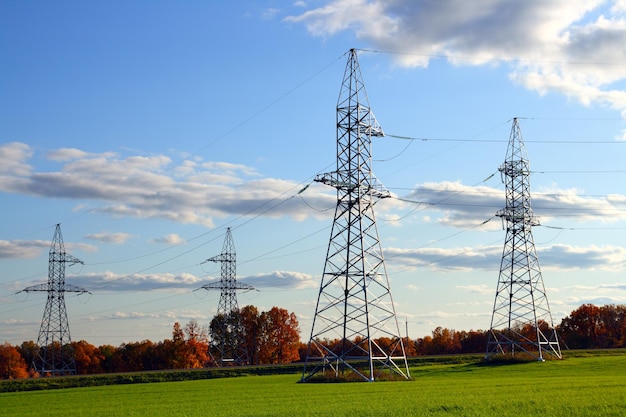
(188, 348)
(87, 357)
(251, 323)
(136, 356)
(271, 336)
(197, 341)
(450, 341)
(280, 337)
(12, 364)
(29, 351)
(590, 326)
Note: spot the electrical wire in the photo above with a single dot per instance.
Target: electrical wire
(544, 141)
(491, 59)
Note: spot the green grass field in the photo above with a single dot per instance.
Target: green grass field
(576, 386)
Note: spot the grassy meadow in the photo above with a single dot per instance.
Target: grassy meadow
(593, 385)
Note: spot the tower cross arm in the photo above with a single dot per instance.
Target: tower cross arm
(220, 258)
(378, 190)
(231, 286)
(372, 187)
(46, 287)
(40, 287)
(334, 179)
(516, 216)
(72, 260)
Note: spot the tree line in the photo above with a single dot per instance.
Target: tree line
(273, 337)
(587, 327)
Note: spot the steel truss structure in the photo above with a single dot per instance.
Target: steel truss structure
(521, 323)
(230, 344)
(355, 332)
(55, 356)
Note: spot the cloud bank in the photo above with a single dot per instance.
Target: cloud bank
(570, 48)
(191, 192)
(465, 206)
(557, 257)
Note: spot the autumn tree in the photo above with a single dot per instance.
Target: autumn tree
(613, 319)
(590, 326)
(446, 340)
(87, 357)
(270, 337)
(29, 351)
(108, 353)
(197, 341)
(449, 341)
(188, 348)
(251, 323)
(12, 364)
(175, 348)
(581, 328)
(424, 346)
(280, 337)
(136, 356)
(474, 341)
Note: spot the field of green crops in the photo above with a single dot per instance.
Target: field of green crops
(576, 386)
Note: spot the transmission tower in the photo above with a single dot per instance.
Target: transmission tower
(521, 323)
(355, 310)
(230, 343)
(55, 356)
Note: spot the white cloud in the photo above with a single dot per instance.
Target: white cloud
(556, 257)
(169, 239)
(619, 6)
(66, 154)
(269, 13)
(567, 257)
(476, 289)
(465, 206)
(445, 259)
(17, 322)
(116, 238)
(148, 187)
(572, 48)
(29, 249)
(169, 316)
(111, 282)
(599, 295)
(22, 249)
(13, 157)
(448, 315)
(281, 279)
(598, 300)
(601, 287)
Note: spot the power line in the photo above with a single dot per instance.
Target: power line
(491, 59)
(544, 141)
(580, 172)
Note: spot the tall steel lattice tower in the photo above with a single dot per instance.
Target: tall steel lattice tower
(230, 343)
(521, 324)
(355, 333)
(56, 356)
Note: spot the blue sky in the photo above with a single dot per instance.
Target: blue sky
(146, 128)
